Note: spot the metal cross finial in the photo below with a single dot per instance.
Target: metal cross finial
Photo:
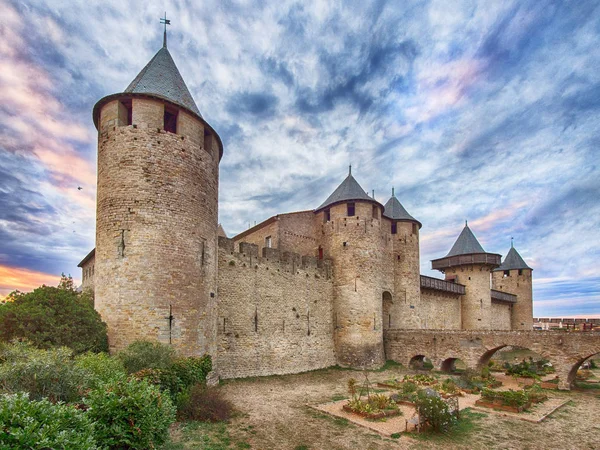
(466, 223)
(165, 22)
(511, 241)
(350, 169)
(392, 192)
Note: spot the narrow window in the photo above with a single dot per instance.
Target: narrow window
(394, 227)
(507, 273)
(268, 242)
(327, 216)
(520, 271)
(350, 209)
(375, 212)
(170, 121)
(320, 252)
(125, 113)
(415, 228)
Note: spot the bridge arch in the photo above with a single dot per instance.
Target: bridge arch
(572, 375)
(449, 365)
(420, 362)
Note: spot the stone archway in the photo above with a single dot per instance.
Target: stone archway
(386, 299)
(420, 362)
(452, 365)
(572, 375)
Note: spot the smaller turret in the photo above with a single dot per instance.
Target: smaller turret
(403, 310)
(469, 264)
(515, 276)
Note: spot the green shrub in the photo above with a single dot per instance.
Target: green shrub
(100, 368)
(146, 355)
(179, 377)
(205, 405)
(26, 424)
(53, 317)
(436, 412)
(130, 414)
(43, 373)
(192, 370)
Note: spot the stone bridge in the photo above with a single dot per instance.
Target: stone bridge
(566, 351)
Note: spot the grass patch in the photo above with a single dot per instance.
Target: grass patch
(389, 364)
(585, 385)
(338, 397)
(337, 421)
(204, 436)
(466, 425)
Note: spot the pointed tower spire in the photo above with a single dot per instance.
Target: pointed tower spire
(348, 190)
(394, 210)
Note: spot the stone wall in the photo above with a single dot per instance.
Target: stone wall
(275, 312)
(156, 228)
(257, 234)
(87, 274)
(500, 316)
(298, 232)
(476, 304)
(521, 286)
(439, 310)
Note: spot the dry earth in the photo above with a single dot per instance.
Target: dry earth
(273, 414)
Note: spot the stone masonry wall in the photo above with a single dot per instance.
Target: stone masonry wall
(275, 313)
(440, 310)
(500, 316)
(156, 230)
(521, 286)
(257, 235)
(298, 232)
(87, 274)
(476, 303)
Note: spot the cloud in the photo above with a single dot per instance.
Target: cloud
(472, 110)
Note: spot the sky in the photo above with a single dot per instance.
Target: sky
(486, 111)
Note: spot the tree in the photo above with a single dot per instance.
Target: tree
(54, 316)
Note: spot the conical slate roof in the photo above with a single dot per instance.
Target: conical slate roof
(393, 209)
(513, 261)
(347, 191)
(161, 77)
(465, 244)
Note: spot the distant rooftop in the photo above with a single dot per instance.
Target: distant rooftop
(466, 243)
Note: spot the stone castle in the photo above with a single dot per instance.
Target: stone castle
(297, 292)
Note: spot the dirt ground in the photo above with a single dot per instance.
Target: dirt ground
(273, 413)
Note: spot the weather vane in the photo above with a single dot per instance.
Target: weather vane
(165, 22)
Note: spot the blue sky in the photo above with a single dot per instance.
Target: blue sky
(486, 111)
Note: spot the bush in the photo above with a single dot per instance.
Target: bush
(179, 377)
(42, 373)
(130, 414)
(436, 412)
(146, 355)
(53, 317)
(205, 405)
(42, 425)
(100, 368)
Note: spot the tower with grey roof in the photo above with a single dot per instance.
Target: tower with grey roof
(403, 309)
(156, 226)
(351, 224)
(515, 276)
(467, 263)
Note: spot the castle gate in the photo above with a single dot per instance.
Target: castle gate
(566, 351)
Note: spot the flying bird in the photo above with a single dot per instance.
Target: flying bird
(79, 188)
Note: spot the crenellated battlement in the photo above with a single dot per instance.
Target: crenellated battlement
(272, 259)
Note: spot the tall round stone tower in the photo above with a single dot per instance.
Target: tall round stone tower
(353, 240)
(469, 264)
(156, 222)
(403, 309)
(515, 276)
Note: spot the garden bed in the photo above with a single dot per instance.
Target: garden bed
(500, 407)
(373, 415)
